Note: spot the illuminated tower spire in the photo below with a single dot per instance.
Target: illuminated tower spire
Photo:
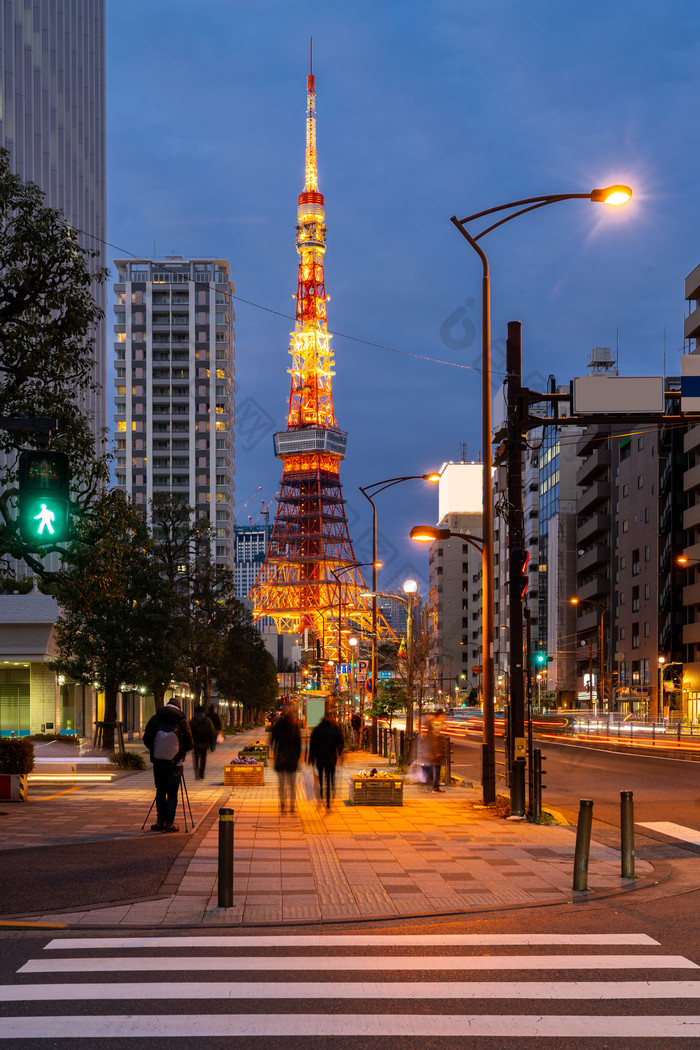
(309, 579)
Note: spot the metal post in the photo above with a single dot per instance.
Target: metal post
(583, 844)
(373, 741)
(536, 805)
(448, 763)
(225, 858)
(626, 835)
(517, 558)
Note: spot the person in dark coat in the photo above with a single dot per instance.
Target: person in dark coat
(215, 719)
(356, 723)
(203, 737)
(325, 747)
(167, 773)
(285, 741)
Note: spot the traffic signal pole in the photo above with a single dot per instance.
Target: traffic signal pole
(517, 561)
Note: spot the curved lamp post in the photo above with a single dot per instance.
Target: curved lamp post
(369, 492)
(428, 534)
(614, 195)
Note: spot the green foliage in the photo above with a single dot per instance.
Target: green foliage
(246, 671)
(16, 755)
(42, 738)
(115, 610)
(128, 760)
(48, 319)
(10, 584)
(391, 698)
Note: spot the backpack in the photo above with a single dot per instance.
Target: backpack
(166, 745)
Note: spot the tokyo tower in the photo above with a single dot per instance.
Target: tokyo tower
(309, 579)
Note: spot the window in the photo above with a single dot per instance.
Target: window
(625, 525)
(625, 490)
(439, 570)
(640, 443)
(647, 553)
(622, 633)
(647, 590)
(635, 562)
(623, 561)
(635, 635)
(640, 481)
(635, 599)
(647, 628)
(622, 598)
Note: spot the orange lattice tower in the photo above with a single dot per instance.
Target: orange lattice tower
(309, 579)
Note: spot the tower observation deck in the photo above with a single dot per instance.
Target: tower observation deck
(310, 541)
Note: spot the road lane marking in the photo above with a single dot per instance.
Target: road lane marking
(674, 831)
(359, 990)
(352, 940)
(361, 962)
(289, 1026)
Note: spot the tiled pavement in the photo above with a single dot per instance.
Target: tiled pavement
(436, 854)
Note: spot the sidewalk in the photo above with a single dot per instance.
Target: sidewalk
(437, 854)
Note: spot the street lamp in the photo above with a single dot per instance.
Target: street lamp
(428, 534)
(410, 587)
(601, 648)
(614, 195)
(369, 492)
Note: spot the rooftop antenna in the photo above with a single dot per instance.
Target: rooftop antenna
(311, 55)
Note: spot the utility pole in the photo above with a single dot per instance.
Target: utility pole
(517, 562)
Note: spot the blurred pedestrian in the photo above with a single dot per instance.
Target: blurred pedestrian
(356, 723)
(285, 740)
(437, 746)
(215, 719)
(325, 748)
(168, 738)
(203, 737)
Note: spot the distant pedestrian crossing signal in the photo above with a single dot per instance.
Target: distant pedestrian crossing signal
(44, 479)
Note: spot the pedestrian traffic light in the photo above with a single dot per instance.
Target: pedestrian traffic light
(44, 479)
(519, 563)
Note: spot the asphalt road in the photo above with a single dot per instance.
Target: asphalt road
(47, 879)
(620, 973)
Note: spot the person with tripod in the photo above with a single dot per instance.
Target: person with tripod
(168, 738)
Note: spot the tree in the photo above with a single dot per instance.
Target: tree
(211, 611)
(179, 541)
(246, 672)
(116, 614)
(391, 698)
(48, 318)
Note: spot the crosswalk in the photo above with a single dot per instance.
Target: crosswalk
(367, 985)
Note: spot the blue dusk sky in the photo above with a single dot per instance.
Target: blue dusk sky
(424, 110)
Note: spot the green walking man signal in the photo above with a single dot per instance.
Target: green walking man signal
(44, 497)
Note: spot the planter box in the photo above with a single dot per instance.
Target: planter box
(260, 754)
(13, 787)
(245, 775)
(376, 791)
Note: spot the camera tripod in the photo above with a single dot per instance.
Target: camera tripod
(183, 795)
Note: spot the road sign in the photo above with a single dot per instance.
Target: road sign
(477, 669)
(362, 671)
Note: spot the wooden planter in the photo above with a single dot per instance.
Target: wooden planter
(13, 787)
(376, 791)
(245, 775)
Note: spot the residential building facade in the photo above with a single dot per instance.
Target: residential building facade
(174, 391)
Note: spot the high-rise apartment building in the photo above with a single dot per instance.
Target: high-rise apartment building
(249, 553)
(687, 697)
(52, 122)
(174, 397)
(454, 575)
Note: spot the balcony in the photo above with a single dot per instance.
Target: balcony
(589, 621)
(691, 517)
(597, 589)
(691, 634)
(691, 478)
(691, 594)
(594, 439)
(691, 440)
(599, 555)
(597, 523)
(599, 460)
(691, 325)
(692, 284)
(598, 492)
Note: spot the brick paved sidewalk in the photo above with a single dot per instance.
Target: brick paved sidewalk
(436, 854)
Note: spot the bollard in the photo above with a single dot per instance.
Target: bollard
(448, 762)
(536, 807)
(583, 843)
(225, 858)
(626, 835)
